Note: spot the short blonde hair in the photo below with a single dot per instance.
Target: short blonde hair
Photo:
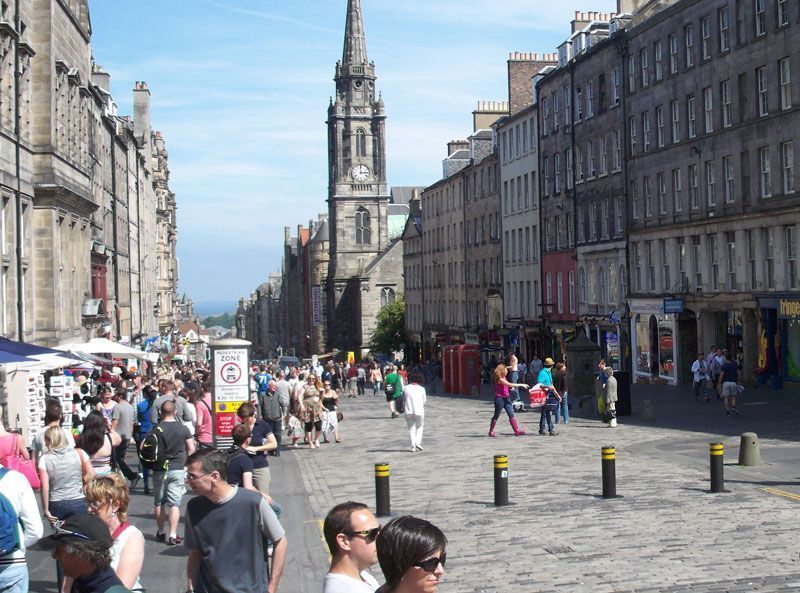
(110, 489)
(54, 438)
(499, 372)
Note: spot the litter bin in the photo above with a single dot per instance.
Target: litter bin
(776, 381)
(623, 393)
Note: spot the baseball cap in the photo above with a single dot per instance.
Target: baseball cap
(80, 529)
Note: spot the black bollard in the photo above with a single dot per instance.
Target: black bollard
(609, 457)
(717, 451)
(382, 500)
(500, 480)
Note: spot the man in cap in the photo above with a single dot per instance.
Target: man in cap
(82, 544)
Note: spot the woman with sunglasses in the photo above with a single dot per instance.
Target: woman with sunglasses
(108, 499)
(411, 552)
(330, 421)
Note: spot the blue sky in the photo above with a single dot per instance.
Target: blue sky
(241, 87)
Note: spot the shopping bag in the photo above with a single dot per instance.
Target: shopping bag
(538, 396)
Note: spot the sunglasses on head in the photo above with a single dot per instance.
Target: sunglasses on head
(430, 564)
(369, 535)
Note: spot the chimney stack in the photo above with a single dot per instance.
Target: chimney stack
(141, 113)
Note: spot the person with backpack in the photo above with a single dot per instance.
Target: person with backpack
(20, 527)
(394, 390)
(143, 409)
(165, 449)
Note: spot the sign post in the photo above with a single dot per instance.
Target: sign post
(231, 367)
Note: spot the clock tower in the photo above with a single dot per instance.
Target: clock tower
(358, 195)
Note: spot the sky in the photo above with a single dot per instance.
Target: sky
(240, 90)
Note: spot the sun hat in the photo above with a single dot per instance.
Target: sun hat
(548, 362)
(78, 529)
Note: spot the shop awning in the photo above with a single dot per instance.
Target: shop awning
(35, 358)
(105, 346)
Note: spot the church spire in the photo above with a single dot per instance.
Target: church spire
(355, 42)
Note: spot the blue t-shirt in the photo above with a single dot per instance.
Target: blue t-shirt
(545, 378)
(258, 436)
(143, 416)
(729, 371)
(262, 382)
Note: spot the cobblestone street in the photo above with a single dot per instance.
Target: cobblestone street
(665, 533)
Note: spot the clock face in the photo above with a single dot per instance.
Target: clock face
(360, 173)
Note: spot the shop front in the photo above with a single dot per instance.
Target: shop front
(654, 339)
(779, 338)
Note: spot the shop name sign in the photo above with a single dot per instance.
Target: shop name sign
(789, 309)
(673, 306)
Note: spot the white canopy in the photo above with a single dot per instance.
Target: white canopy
(106, 346)
(48, 362)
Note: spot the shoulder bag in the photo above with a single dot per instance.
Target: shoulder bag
(27, 467)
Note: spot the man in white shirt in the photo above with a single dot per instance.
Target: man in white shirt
(700, 372)
(350, 531)
(14, 487)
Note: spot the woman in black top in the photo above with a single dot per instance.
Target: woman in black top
(330, 422)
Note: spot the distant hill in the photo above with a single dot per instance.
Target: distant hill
(226, 320)
(206, 308)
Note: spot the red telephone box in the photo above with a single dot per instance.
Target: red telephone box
(453, 369)
(469, 368)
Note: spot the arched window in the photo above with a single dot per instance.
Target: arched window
(592, 285)
(361, 142)
(582, 286)
(387, 296)
(363, 233)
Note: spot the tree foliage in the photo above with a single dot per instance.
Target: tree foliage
(390, 332)
(225, 320)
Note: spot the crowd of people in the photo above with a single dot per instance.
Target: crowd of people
(87, 476)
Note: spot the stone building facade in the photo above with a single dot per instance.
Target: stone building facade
(712, 96)
(413, 280)
(518, 139)
(461, 248)
(78, 207)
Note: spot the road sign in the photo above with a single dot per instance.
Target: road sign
(231, 385)
(674, 306)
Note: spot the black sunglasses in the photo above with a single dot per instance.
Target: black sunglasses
(369, 535)
(431, 564)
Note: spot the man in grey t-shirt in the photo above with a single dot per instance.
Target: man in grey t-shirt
(122, 422)
(167, 392)
(226, 528)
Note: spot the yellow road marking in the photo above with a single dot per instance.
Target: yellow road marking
(783, 493)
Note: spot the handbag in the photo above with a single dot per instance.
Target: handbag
(27, 467)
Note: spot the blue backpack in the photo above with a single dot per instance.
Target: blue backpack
(9, 523)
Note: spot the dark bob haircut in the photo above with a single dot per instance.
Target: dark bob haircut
(403, 542)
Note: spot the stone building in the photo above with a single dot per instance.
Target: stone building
(712, 97)
(295, 306)
(365, 262)
(519, 164)
(595, 177)
(413, 280)
(461, 248)
(318, 261)
(78, 206)
(167, 239)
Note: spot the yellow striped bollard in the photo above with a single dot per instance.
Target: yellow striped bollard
(500, 480)
(609, 461)
(382, 500)
(716, 453)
